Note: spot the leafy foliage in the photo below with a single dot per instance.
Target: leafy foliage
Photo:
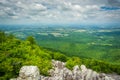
(15, 53)
(31, 40)
(2, 36)
(72, 62)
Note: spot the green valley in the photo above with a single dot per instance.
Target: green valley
(81, 41)
(16, 53)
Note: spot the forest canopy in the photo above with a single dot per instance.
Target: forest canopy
(15, 53)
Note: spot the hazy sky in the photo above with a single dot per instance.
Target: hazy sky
(59, 11)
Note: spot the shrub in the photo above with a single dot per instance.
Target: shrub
(72, 62)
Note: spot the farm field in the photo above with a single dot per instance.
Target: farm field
(94, 42)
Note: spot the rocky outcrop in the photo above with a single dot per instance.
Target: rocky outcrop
(28, 73)
(60, 72)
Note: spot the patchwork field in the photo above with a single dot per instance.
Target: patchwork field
(96, 43)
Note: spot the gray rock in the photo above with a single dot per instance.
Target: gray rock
(58, 64)
(83, 68)
(29, 73)
(76, 73)
(60, 72)
(89, 75)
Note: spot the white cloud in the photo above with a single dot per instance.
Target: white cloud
(39, 7)
(57, 10)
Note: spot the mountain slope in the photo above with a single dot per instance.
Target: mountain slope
(16, 53)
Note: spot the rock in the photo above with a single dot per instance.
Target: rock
(58, 64)
(60, 72)
(76, 68)
(29, 73)
(114, 75)
(95, 75)
(102, 75)
(83, 68)
(76, 73)
(89, 74)
(106, 78)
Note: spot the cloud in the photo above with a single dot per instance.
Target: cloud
(114, 3)
(59, 10)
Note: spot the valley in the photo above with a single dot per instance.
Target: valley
(84, 42)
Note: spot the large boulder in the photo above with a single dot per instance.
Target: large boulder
(29, 73)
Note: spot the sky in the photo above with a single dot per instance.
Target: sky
(59, 11)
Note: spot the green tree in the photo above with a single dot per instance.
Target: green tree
(2, 36)
(31, 40)
(73, 62)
